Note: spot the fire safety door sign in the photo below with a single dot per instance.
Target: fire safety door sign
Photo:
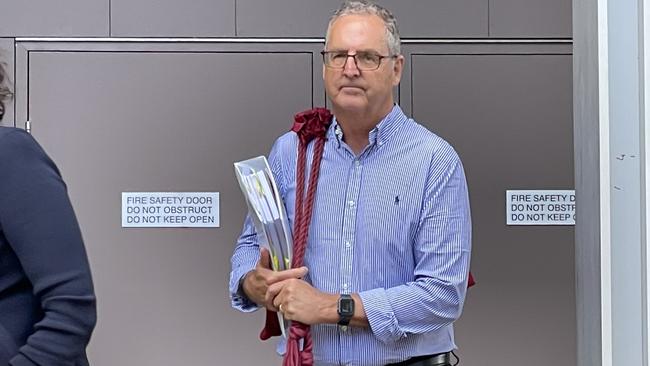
(170, 209)
(540, 207)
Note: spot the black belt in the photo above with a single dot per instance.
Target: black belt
(441, 359)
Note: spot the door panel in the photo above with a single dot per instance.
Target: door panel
(510, 119)
(131, 121)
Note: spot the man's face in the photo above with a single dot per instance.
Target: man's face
(354, 90)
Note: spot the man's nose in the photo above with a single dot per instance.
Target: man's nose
(350, 68)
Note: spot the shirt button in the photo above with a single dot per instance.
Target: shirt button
(351, 203)
(348, 244)
(345, 285)
(357, 163)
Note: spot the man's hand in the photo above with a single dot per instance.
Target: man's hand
(258, 280)
(298, 300)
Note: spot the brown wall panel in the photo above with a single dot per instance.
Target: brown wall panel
(308, 18)
(172, 18)
(530, 18)
(61, 18)
(284, 18)
(440, 18)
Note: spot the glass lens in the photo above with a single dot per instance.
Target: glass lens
(367, 60)
(337, 59)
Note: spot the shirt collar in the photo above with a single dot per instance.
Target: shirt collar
(380, 134)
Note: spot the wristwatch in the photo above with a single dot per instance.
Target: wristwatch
(345, 309)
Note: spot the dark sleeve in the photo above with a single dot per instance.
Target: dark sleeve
(38, 221)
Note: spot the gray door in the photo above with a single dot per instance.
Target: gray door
(159, 122)
(510, 118)
(131, 116)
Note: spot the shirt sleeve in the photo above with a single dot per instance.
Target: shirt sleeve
(442, 252)
(244, 259)
(247, 249)
(39, 223)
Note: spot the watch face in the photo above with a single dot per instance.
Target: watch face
(345, 309)
(346, 306)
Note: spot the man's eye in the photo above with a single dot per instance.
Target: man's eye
(339, 56)
(367, 57)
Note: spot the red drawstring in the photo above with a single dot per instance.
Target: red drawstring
(298, 331)
(309, 125)
(295, 356)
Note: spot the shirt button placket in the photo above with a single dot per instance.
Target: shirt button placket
(349, 221)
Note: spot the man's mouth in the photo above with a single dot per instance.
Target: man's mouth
(351, 87)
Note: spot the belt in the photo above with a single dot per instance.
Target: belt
(441, 359)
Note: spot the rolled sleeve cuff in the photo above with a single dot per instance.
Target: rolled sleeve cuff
(21, 360)
(238, 299)
(30, 356)
(381, 317)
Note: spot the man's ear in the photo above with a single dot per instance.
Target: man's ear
(398, 67)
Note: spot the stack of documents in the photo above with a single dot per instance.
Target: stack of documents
(266, 209)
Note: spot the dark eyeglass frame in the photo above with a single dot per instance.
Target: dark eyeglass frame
(354, 57)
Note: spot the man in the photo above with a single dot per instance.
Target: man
(47, 303)
(388, 252)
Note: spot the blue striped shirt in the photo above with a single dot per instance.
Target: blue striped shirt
(391, 224)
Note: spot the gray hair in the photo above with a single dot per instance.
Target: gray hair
(5, 93)
(367, 7)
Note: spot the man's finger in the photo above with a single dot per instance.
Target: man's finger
(289, 273)
(272, 292)
(277, 302)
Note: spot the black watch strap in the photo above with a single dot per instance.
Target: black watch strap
(345, 309)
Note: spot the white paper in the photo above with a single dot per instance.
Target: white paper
(268, 213)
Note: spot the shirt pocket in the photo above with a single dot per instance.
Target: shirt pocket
(387, 229)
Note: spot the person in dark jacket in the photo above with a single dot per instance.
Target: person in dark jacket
(47, 301)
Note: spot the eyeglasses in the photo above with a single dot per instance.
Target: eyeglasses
(364, 60)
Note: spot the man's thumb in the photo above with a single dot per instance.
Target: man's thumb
(265, 258)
